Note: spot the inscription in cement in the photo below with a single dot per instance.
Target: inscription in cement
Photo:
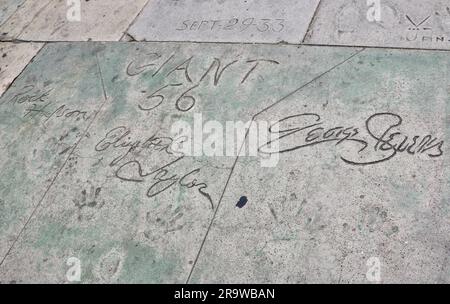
(403, 23)
(224, 21)
(356, 175)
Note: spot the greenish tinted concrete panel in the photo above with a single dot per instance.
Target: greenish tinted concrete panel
(124, 207)
(105, 208)
(42, 115)
(321, 215)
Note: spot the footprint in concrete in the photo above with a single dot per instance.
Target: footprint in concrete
(110, 265)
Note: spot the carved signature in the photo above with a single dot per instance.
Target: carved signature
(162, 179)
(381, 136)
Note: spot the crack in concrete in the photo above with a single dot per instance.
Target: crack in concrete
(313, 19)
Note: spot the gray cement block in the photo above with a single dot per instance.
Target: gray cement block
(14, 57)
(224, 21)
(8, 7)
(401, 23)
(48, 20)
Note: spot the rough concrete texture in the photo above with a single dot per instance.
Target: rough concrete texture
(224, 20)
(14, 57)
(109, 190)
(42, 116)
(105, 20)
(401, 23)
(106, 217)
(11, 28)
(328, 210)
(90, 170)
(8, 7)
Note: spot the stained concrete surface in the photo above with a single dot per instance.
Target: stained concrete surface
(102, 217)
(89, 169)
(306, 228)
(43, 115)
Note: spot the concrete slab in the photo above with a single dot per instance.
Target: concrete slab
(48, 20)
(106, 209)
(383, 23)
(8, 7)
(14, 57)
(342, 206)
(42, 116)
(224, 21)
(21, 19)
